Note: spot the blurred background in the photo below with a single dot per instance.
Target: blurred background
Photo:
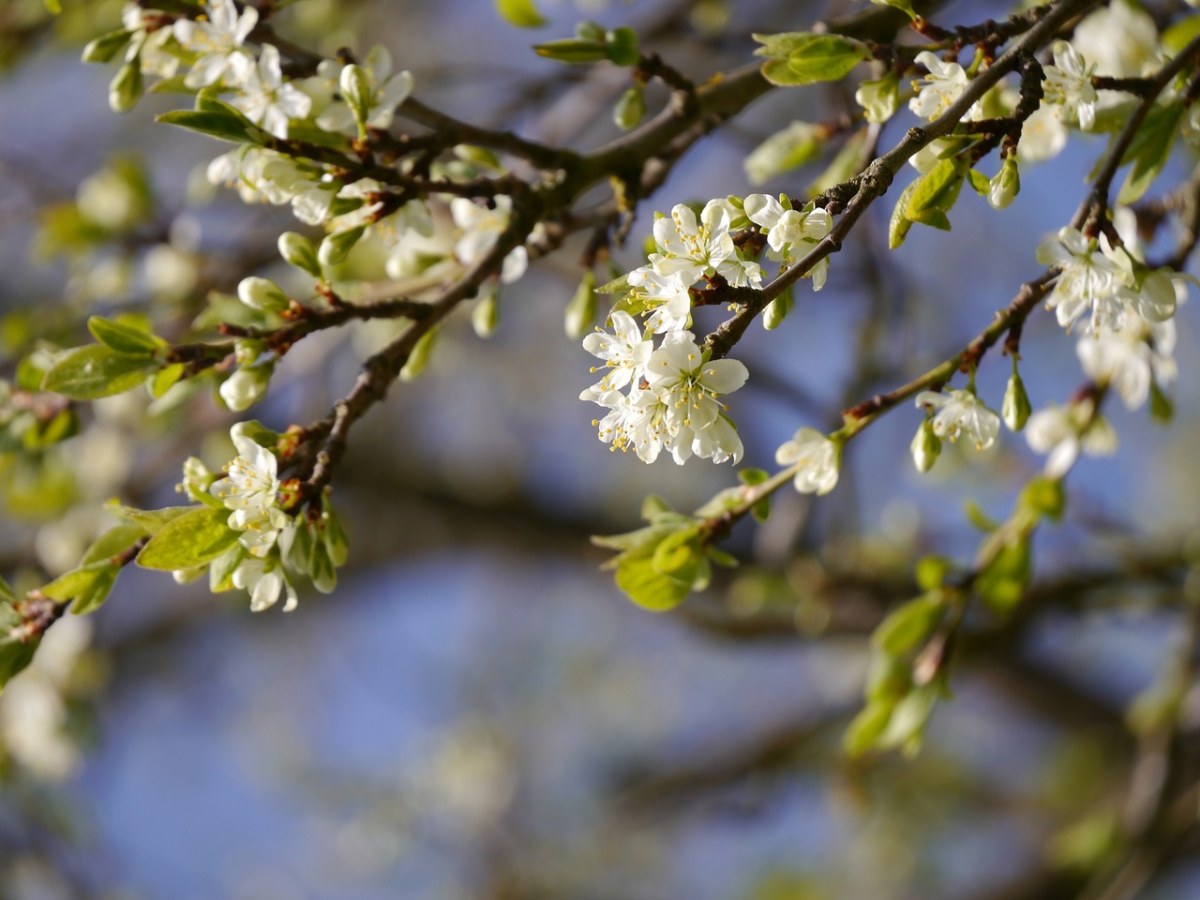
(476, 711)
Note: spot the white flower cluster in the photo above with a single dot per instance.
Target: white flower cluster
(667, 398)
(250, 490)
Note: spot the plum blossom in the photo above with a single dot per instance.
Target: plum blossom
(1087, 280)
(1130, 358)
(218, 37)
(266, 99)
(692, 248)
(960, 412)
(1064, 431)
(1068, 85)
(251, 490)
(791, 233)
(385, 92)
(939, 90)
(265, 580)
(665, 295)
(689, 382)
(816, 457)
(480, 228)
(624, 352)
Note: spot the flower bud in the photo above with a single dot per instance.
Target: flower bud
(356, 88)
(1015, 409)
(926, 447)
(246, 386)
(581, 311)
(262, 294)
(335, 247)
(486, 314)
(298, 251)
(126, 88)
(105, 47)
(196, 479)
(777, 310)
(1003, 189)
(879, 99)
(418, 359)
(630, 108)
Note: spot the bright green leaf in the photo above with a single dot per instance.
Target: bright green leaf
(192, 539)
(88, 373)
(522, 13)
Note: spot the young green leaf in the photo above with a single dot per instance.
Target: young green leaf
(88, 373)
(192, 539)
(123, 338)
(522, 13)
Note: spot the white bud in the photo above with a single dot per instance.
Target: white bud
(262, 294)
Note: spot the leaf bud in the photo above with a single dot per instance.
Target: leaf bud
(630, 108)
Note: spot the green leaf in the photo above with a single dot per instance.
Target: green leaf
(192, 539)
(123, 338)
(1181, 33)
(936, 191)
(903, 5)
(1044, 496)
(220, 125)
(1002, 583)
(980, 182)
(806, 58)
(148, 520)
(572, 50)
(900, 224)
(165, 379)
(866, 729)
(88, 373)
(931, 572)
(54, 7)
(908, 626)
(522, 13)
(113, 542)
(648, 587)
(97, 592)
(621, 46)
(908, 720)
(105, 47)
(1150, 150)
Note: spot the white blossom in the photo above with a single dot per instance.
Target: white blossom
(665, 295)
(264, 580)
(692, 248)
(250, 490)
(791, 233)
(1087, 280)
(217, 37)
(1120, 38)
(386, 92)
(1129, 358)
(961, 413)
(817, 459)
(1043, 136)
(266, 99)
(690, 383)
(480, 228)
(624, 352)
(1060, 432)
(938, 90)
(1068, 85)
